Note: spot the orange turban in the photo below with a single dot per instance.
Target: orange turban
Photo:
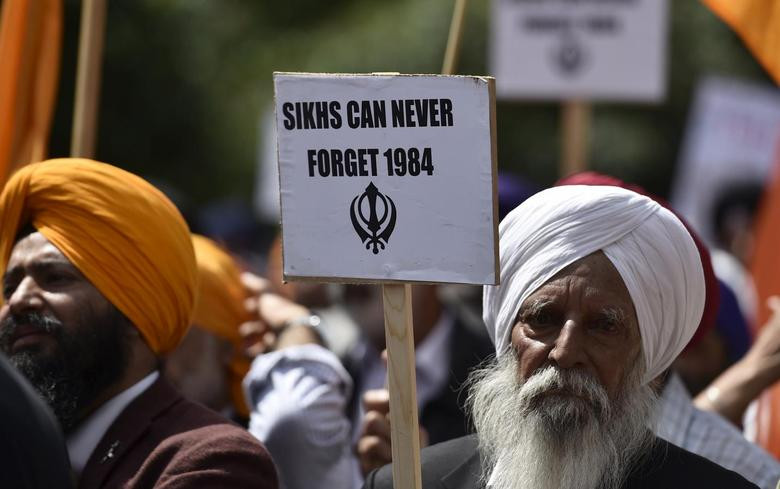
(220, 308)
(123, 234)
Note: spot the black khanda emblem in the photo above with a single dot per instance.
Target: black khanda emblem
(373, 230)
(570, 57)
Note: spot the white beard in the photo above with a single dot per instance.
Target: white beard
(532, 437)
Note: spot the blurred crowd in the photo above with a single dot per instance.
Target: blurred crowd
(150, 357)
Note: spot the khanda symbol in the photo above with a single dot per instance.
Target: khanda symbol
(373, 230)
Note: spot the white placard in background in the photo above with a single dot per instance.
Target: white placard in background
(387, 177)
(593, 49)
(731, 138)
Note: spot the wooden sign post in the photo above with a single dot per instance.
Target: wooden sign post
(402, 385)
(575, 132)
(91, 37)
(578, 52)
(389, 179)
(399, 335)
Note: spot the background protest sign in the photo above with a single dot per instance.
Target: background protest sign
(731, 139)
(564, 49)
(387, 178)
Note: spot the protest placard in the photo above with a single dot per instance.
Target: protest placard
(584, 49)
(387, 178)
(730, 140)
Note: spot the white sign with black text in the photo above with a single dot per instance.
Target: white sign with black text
(565, 49)
(387, 177)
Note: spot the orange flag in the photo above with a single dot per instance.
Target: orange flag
(757, 22)
(766, 275)
(30, 40)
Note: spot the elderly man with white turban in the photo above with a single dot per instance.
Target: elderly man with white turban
(601, 290)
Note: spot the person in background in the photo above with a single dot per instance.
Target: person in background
(209, 363)
(733, 214)
(718, 349)
(298, 391)
(338, 329)
(99, 282)
(447, 348)
(735, 389)
(309, 407)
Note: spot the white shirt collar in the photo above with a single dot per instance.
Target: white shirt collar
(82, 442)
(676, 411)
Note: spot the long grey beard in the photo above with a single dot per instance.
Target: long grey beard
(559, 429)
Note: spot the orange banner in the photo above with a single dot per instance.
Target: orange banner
(30, 44)
(757, 22)
(766, 275)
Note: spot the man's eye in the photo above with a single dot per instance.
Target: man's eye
(539, 318)
(57, 278)
(607, 325)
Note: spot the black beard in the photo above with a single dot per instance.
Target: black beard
(85, 363)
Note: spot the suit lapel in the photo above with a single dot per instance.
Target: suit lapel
(126, 430)
(464, 476)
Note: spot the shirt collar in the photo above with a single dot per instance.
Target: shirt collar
(82, 442)
(676, 411)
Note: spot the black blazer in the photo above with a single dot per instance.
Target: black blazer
(444, 417)
(456, 465)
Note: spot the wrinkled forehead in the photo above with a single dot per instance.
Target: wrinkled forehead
(34, 248)
(595, 277)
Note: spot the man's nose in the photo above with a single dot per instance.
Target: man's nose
(26, 297)
(569, 348)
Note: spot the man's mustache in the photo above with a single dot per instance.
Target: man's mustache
(552, 380)
(11, 324)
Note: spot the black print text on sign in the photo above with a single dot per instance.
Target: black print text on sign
(373, 217)
(362, 162)
(368, 114)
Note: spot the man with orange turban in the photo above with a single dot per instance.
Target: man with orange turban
(99, 282)
(209, 364)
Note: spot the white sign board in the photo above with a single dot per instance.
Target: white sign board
(387, 177)
(594, 49)
(731, 138)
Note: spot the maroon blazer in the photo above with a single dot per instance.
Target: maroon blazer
(164, 441)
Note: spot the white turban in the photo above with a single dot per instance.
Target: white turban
(648, 245)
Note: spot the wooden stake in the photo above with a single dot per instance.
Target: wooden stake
(453, 41)
(399, 334)
(402, 384)
(91, 37)
(575, 135)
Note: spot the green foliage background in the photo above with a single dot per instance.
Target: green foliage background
(185, 83)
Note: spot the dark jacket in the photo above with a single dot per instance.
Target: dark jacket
(164, 441)
(456, 465)
(32, 449)
(443, 417)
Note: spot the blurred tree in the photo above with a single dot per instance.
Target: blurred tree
(185, 83)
